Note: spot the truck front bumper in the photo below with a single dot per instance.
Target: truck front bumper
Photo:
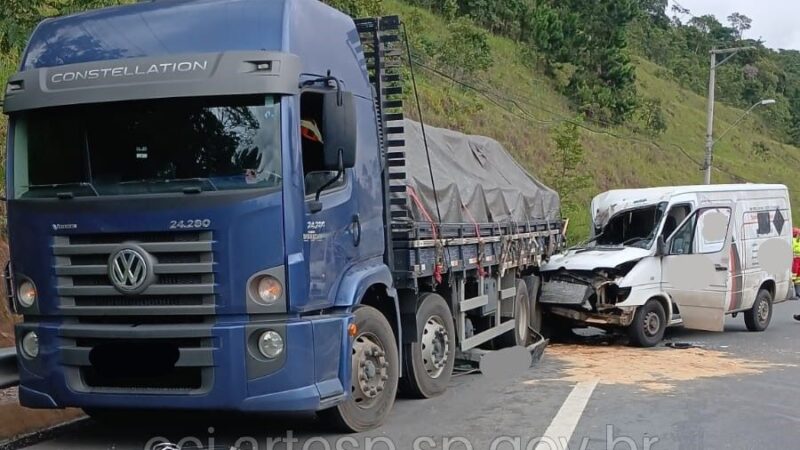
(213, 366)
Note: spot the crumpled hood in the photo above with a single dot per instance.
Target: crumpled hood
(583, 259)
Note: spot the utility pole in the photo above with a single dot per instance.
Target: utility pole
(712, 81)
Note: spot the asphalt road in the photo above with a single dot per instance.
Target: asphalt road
(751, 411)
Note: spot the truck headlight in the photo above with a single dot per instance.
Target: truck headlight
(268, 290)
(30, 345)
(270, 344)
(26, 294)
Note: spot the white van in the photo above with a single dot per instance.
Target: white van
(683, 255)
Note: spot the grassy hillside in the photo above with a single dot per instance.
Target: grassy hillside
(616, 157)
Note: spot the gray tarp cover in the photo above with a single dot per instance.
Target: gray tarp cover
(476, 172)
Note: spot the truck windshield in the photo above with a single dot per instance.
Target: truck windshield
(148, 147)
(632, 228)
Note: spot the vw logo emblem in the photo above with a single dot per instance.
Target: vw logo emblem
(130, 270)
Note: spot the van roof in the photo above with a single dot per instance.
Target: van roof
(668, 191)
(623, 199)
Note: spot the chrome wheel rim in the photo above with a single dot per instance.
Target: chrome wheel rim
(370, 370)
(434, 346)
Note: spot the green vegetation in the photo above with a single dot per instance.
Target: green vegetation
(632, 71)
(522, 100)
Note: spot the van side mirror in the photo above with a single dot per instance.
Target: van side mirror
(661, 246)
(339, 130)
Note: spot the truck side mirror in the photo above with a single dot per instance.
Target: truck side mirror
(339, 130)
(661, 246)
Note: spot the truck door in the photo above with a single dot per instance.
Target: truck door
(696, 269)
(331, 233)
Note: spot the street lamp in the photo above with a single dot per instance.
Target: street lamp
(765, 102)
(712, 80)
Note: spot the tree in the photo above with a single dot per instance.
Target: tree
(466, 49)
(655, 11)
(651, 115)
(603, 86)
(740, 23)
(568, 174)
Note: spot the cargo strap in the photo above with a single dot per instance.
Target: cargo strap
(437, 269)
(481, 244)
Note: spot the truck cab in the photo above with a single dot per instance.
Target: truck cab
(685, 255)
(176, 242)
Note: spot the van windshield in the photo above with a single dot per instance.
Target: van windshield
(148, 147)
(631, 228)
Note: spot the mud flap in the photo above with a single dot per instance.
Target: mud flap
(471, 359)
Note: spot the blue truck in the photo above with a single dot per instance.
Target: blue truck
(218, 205)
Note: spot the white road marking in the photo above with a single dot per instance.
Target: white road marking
(564, 423)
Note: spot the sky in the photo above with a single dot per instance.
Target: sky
(776, 22)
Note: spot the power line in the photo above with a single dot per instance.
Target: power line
(561, 119)
(492, 95)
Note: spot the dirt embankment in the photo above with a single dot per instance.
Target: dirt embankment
(7, 319)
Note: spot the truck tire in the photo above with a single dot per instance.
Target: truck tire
(758, 317)
(522, 317)
(649, 324)
(374, 374)
(428, 363)
(534, 308)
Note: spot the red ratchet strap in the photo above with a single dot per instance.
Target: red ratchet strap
(481, 272)
(437, 269)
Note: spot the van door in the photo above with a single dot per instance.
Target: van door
(695, 271)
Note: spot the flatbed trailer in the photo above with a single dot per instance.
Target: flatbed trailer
(480, 269)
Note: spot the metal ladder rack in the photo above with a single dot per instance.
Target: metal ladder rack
(383, 61)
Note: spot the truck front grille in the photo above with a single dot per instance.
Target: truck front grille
(156, 340)
(183, 266)
(179, 365)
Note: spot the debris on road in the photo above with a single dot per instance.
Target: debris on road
(682, 345)
(648, 369)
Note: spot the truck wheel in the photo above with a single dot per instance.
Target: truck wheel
(522, 317)
(428, 363)
(534, 308)
(374, 375)
(649, 324)
(759, 316)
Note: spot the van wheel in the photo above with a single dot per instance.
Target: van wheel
(649, 324)
(374, 375)
(428, 363)
(759, 316)
(522, 318)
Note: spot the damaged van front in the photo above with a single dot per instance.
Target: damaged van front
(680, 255)
(603, 282)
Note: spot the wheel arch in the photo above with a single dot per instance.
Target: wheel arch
(666, 303)
(384, 299)
(770, 285)
(371, 284)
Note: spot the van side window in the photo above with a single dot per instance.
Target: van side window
(712, 229)
(682, 239)
(705, 232)
(675, 216)
(311, 126)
